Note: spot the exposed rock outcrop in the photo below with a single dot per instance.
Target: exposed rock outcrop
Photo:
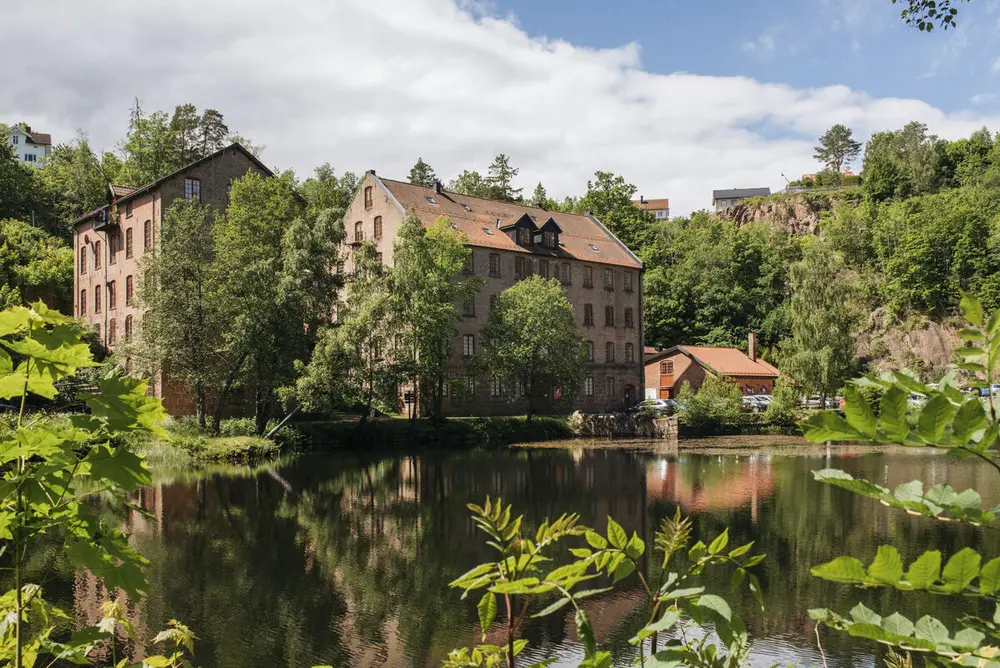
(922, 346)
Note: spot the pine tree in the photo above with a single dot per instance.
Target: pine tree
(837, 148)
(500, 179)
(422, 174)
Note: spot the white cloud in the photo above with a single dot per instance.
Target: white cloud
(374, 85)
(765, 44)
(995, 67)
(983, 98)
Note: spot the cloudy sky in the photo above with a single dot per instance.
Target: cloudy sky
(679, 97)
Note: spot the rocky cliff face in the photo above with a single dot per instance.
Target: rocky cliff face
(799, 213)
(925, 347)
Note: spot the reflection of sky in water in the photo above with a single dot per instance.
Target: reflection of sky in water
(345, 560)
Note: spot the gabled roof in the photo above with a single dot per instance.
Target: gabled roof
(551, 224)
(40, 138)
(735, 193)
(120, 191)
(722, 361)
(581, 237)
(524, 221)
(149, 186)
(652, 204)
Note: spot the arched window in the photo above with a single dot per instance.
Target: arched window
(359, 232)
(129, 290)
(368, 198)
(97, 255)
(378, 227)
(112, 296)
(128, 328)
(97, 298)
(128, 242)
(112, 332)
(83, 303)
(83, 260)
(147, 235)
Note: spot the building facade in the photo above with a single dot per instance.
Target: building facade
(660, 208)
(110, 242)
(669, 368)
(29, 146)
(722, 199)
(601, 276)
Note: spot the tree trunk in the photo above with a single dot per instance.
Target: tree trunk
(283, 422)
(199, 391)
(439, 399)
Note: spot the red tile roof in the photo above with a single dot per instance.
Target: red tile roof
(582, 238)
(724, 361)
(121, 191)
(652, 204)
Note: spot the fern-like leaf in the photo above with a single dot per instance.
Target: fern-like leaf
(673, 535)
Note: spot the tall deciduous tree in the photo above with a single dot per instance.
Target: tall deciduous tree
(820, 352)
(150, 149)
(422, 174)
(266, 271)
(182, 329)
(76, 178)
(23, 194)
(532, 343)
(609, 198)
(354, 363)
(325, 190)
(500, 179)
(471, 183)
(427, 284)
(837, 148)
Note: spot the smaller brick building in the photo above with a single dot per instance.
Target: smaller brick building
(668, 368)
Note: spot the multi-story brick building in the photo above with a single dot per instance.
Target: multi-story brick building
(109, 243)
(509, 241)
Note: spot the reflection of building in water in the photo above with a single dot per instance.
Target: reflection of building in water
(686, 482)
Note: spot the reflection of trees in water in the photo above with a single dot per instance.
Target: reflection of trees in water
(346, 560)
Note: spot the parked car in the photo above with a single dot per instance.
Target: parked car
(755, 403)
(658, 406)
(818, 402)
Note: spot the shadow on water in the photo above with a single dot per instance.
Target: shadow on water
(346, 560)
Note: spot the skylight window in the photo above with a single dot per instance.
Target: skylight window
(594, 248)
(430, 200)
(467, 207)
(488, 231)
(562, 244)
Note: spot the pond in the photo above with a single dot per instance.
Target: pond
(345, 560)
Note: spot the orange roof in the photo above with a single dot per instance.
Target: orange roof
(724, 361)
(652, 204)
(582, 238)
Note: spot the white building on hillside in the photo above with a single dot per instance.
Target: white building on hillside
(30, 147)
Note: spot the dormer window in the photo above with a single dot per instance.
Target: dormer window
(549, 239)
(523, 236)
(550, 234)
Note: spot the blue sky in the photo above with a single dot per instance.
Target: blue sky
(680, 98)
(806, 43)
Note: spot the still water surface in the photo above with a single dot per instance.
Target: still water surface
(345, 560)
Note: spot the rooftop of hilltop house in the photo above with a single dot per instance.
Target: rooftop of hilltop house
(652, 204)
(121, 194)
(39, 138)
(494, 224)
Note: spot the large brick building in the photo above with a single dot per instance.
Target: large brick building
(109, 243)
(602, 279)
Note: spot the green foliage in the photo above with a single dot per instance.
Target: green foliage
(470, 183)
(422, 174)
(48, 471)
(23, 195)
(77, 178)
(717, 402)
(925, 14)
(500, 180)
(837, 148)
(426, 284)
(819, 354)
(532, 342)
(609, 199)
(520, 580)
(33, 266)
(962, 426)
(325, 191)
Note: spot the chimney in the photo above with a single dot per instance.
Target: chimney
(372, 172)
(642, 200)
(437, 187)
(752, 345)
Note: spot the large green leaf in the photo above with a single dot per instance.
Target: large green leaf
(720, 542)
(841, 569)
(828, 426)
(887, 567)
(669, 618)
(892, 415)
(898, 625)
(925, 570)
(934, 418)
(616, 535)
(961, 569)
(487, 611)
(863, 614)
(931, 629)
(971, 309)
(119, 466)
(858, 412)
(989, 577)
